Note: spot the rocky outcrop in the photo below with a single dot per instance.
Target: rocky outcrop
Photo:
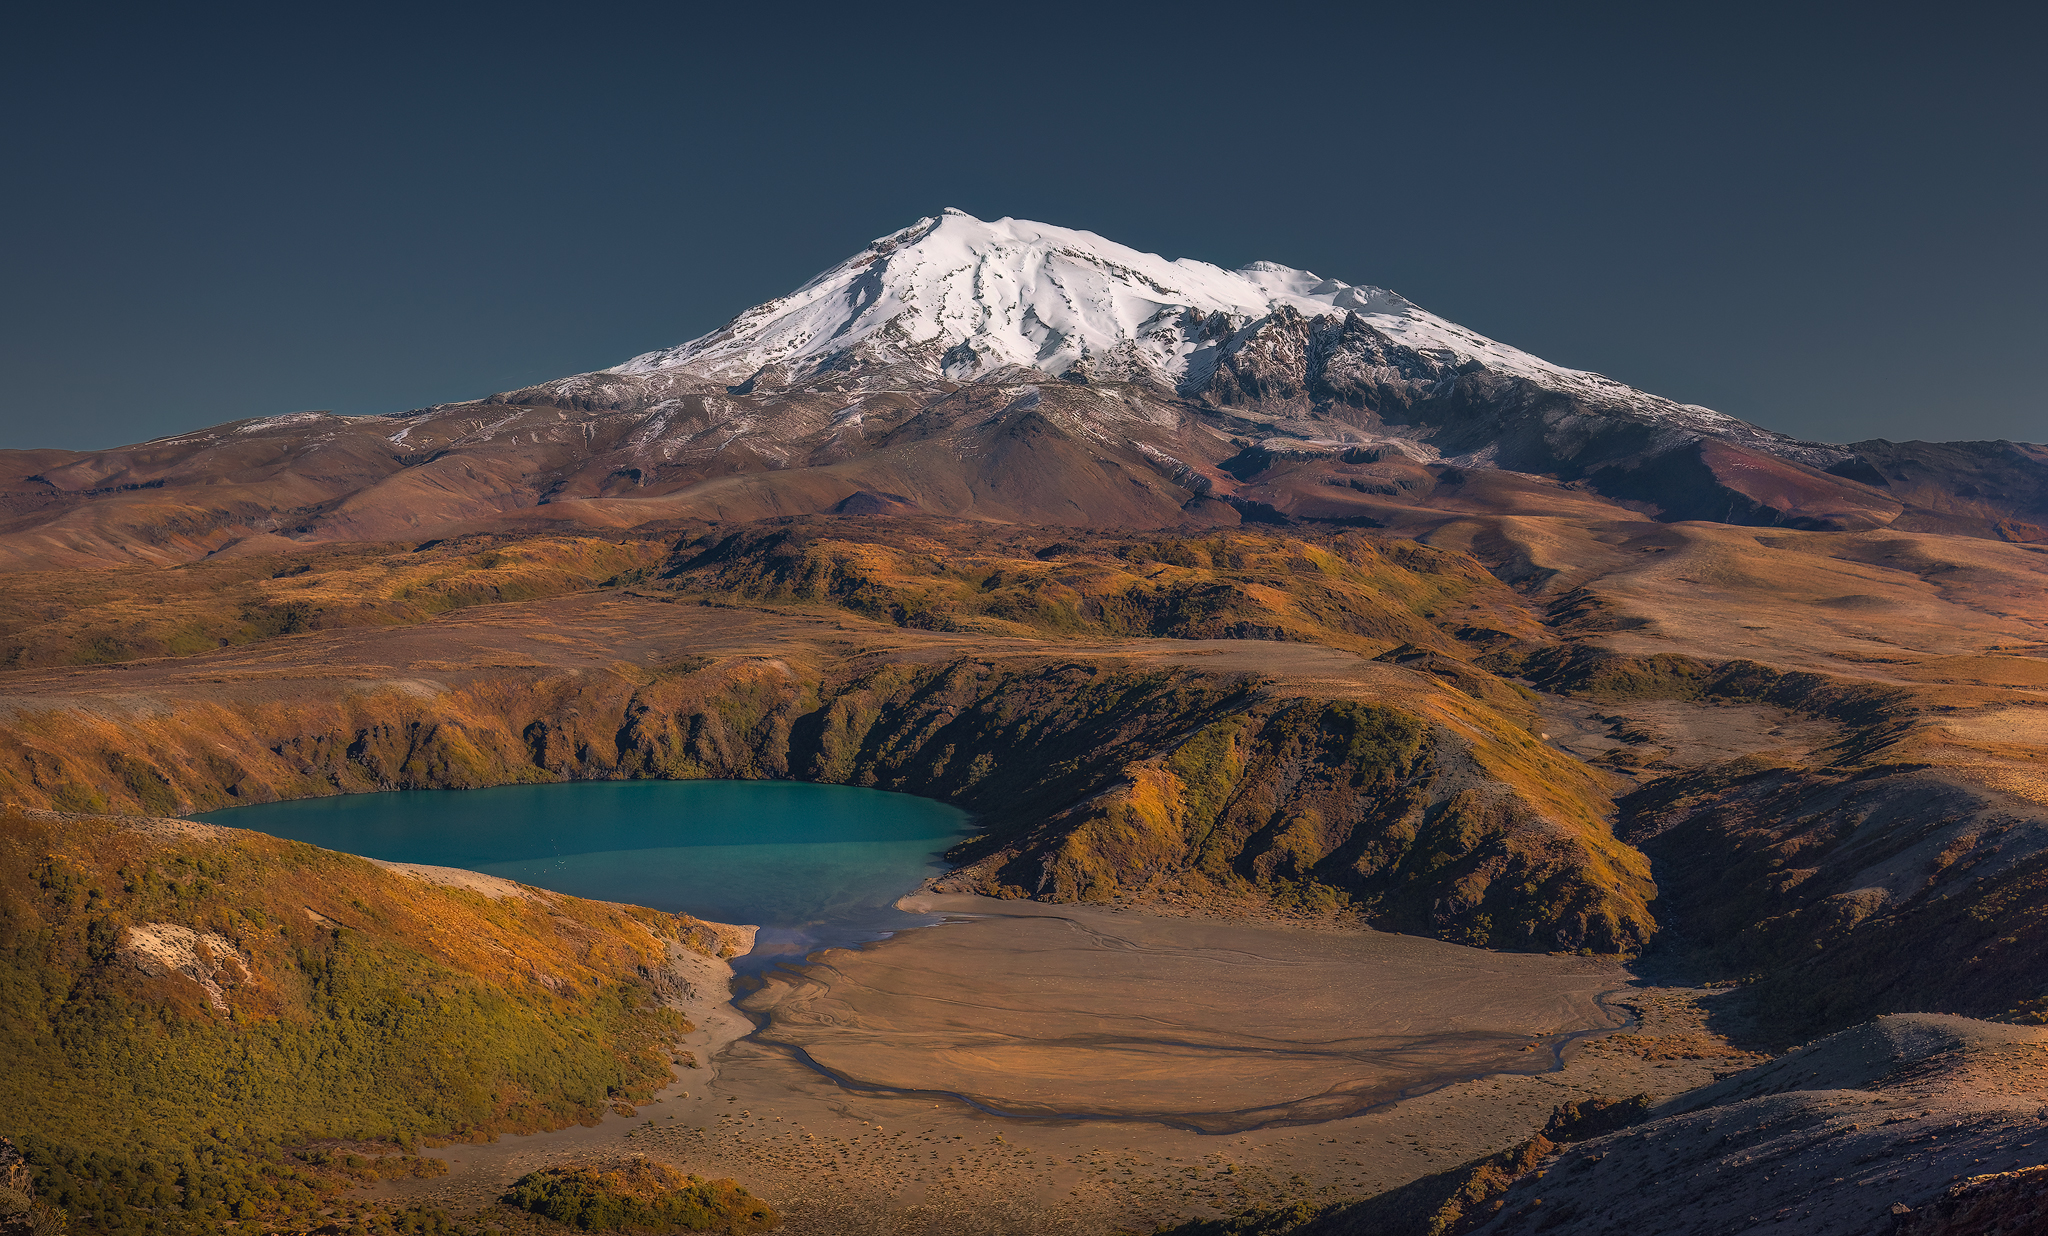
(1333, 806)
(1993, 1204)
(207, 958)
(1316, 364)
(22, 1213)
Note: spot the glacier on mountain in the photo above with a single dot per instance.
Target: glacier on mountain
(958, 297)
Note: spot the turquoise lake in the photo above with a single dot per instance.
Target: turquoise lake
(812, 865)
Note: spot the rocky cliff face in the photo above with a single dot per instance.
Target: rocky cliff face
(1094, 778)
(1244, 759)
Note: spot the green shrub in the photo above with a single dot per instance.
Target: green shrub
(145, 1103)
(641, 1196)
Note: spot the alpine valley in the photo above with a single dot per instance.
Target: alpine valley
(1417, 788)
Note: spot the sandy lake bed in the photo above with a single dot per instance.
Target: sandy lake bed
(1041, 1068)
(1040, 1011)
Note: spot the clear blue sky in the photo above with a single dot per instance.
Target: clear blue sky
(1825, 220)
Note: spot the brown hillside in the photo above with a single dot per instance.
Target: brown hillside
(1774, 708)
(1476, 830)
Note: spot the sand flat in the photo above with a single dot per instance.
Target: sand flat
(846, 1161)
(1064, 1012)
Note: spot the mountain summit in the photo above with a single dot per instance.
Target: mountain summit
(968, 300)
(953, 297)
(1016, 372)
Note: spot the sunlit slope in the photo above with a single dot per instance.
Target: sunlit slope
(1335, 725)
(98, 617)
(1341, 590)
(168, 986)
(1466, 827)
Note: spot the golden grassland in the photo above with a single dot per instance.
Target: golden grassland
(101, 617)
(1345, 590)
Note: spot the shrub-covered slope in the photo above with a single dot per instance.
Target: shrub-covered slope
(642, 1196)
(183, 1006)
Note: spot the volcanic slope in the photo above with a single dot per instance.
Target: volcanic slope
(1015, 372)
(1917, 1125)
(1830, 745)
(1848, 807)
(165, 983)
(1210, 771)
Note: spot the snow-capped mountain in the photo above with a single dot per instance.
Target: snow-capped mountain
(1023, 373)
(966, 299)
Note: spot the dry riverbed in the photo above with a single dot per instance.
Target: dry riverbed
(1051, 1069)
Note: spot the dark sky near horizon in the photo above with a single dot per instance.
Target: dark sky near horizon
(1827, 220)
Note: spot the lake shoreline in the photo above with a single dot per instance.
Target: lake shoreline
(843, 1161)
(909, 1078)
